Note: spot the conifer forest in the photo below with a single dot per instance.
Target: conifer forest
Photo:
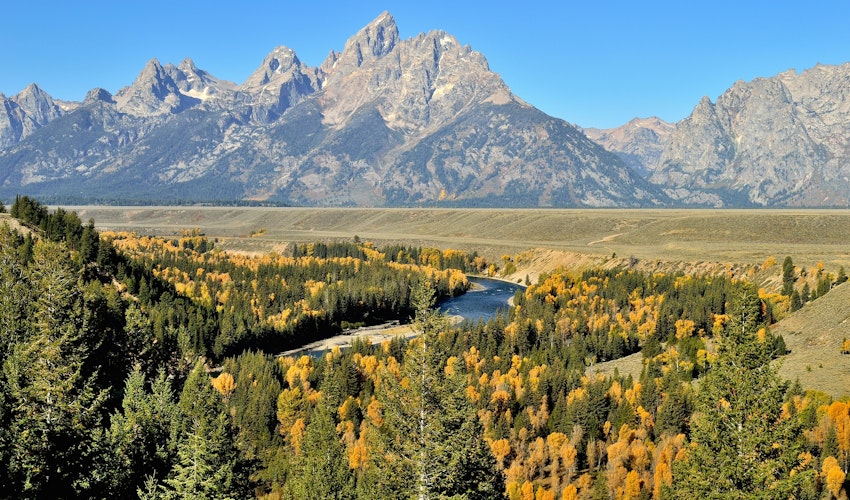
(136, 366)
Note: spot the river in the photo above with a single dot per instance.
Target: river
(483, 301)
(485, 298)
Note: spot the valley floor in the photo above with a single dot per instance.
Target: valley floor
(691, 236)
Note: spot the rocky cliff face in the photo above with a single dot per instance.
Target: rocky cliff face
(780, 141)
(384, 122)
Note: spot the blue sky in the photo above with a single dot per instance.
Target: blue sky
(594, 63)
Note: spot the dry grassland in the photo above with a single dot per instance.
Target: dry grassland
(726, 236)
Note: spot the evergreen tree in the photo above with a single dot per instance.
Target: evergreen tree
(430, 442)
(788, 277)
(252, 404)
(139, 435)
(13, 301)
(55, 404)
(14, 292)
(321, 471)
(208, 463)
(742, 446)
(842, 276)
(675, 409)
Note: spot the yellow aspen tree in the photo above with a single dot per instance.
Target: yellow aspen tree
(833, 476)
(632, 486)
(359, 454)
(663, 477)
(839, 413)
(555, 441)
(527, 491)
(544, 494)
(568, 454)
(224, 384)
(536, 459)
(513, 490)
(501, 448)
(296, 435)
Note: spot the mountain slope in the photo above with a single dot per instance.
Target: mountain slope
(638, 143)
(384, 122)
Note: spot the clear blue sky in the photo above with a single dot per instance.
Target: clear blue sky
(594, 63)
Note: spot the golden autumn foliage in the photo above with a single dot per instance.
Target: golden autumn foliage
(834, 476)
(224, 384)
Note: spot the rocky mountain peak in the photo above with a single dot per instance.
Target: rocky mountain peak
(777, 141)
(154, 92)
(278, 62)
(97, 95)
(414, 84)
(37, 104)
(26, 112)
(195, 82)
(639, 142)
(281, 81)
(373, 41)
(380, 36)
(187, 65)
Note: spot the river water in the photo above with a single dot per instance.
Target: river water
(483, 300)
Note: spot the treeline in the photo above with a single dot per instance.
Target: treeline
(552, 428)
(801, 285)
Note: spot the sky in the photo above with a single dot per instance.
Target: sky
(596, 63)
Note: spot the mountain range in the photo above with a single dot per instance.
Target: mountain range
(417, 122)
(777, 141)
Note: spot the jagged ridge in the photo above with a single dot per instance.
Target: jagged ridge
(384, 122)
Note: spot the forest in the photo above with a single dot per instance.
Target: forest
(140, 366)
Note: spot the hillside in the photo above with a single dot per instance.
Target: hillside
(814, 335)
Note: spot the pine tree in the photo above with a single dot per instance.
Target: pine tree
(742, 446)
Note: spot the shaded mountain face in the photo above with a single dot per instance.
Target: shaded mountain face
(780, 141)
(384, 122)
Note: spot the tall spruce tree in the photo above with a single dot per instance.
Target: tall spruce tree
(321, 471)
(14, 297)
(139, 436)
(430, 442)
(742, 447)
(208, 464)
(55, 407)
